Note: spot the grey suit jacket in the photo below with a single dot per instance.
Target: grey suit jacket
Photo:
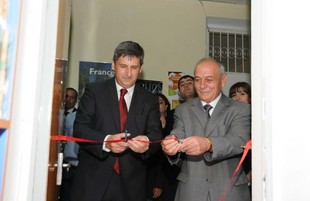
(206, 176)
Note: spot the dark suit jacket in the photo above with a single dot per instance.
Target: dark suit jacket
(97, 117)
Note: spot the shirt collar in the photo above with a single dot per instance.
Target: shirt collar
(213, 103)
(129, 90)
(70, 110)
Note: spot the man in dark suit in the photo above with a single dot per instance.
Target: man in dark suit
(98, 118)
(211, 130)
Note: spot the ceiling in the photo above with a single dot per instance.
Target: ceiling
(247, 2)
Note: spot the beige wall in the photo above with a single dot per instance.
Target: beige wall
(172, 32)
(63, 29)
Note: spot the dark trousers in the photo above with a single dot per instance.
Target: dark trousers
(66, 183)
(114, 191)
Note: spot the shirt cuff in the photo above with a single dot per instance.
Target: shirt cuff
(104, 148)
(146, 138)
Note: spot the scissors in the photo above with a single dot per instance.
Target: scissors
(126, 137)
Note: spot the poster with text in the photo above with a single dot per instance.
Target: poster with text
(96, 71)
(173, 90)
(151, 85)
(93, 72)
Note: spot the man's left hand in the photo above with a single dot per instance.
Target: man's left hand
(139, 144)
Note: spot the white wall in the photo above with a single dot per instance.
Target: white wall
(280, 85)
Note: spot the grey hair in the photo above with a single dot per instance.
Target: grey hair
(221, 66)
(222, 69)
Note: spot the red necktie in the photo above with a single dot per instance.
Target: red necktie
(123, 116)
(122, 109)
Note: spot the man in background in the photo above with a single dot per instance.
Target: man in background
(186, 88)
(186, 92)
(70, 149)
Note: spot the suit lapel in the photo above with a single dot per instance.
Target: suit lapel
(136, 102)
(199, 112)
(135, 106)
(217, 114)
(113, 103)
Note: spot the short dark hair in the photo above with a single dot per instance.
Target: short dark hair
(72, 89)
(183, 77)
(240, 85)
(129, 48)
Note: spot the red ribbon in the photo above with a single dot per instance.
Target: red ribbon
(69, 138)
(245, 152)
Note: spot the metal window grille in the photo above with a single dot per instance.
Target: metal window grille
(231, 49)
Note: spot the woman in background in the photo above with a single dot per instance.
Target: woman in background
(161, 179)
(164, 109)
(241, 91)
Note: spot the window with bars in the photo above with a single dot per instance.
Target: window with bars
(232, 50)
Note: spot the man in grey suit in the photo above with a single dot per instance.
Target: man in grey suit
(211, 139)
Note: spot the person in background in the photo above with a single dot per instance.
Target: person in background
(70, 149)
(164, 109)
(122, 117)
(241, 91)
(186, 88)
(210, 130)
(157, 177)
(186, 92)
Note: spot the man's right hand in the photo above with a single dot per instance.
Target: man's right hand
(170, 145)
(120, 145)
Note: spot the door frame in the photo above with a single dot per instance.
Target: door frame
(27, 154)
